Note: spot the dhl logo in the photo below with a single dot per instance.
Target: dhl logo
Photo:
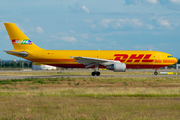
(133, 58)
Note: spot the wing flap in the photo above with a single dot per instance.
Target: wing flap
(89, 62)
(90, 65)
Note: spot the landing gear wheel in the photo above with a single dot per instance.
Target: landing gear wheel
(155, 73)
(97, 73)
(93, 73)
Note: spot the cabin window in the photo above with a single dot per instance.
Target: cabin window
(169, 56)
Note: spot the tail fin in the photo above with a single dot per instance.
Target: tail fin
(19, 40)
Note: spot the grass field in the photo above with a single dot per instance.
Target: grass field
(90, 98)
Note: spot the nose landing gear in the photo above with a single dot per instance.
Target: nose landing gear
(156, 73)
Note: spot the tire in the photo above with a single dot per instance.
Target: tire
(93, 73)
(155, 73)
(98, 73)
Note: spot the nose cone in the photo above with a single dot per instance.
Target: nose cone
(176, 60)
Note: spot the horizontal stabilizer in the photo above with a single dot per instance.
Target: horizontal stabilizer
(23, 53)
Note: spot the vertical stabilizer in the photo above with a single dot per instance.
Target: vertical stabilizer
(19, 40)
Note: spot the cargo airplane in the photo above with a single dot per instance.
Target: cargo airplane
(115, 60)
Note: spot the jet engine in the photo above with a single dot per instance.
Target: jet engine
(117, 67)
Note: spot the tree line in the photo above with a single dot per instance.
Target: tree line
(16, 64)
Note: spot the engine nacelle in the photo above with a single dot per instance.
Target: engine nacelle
(117, 67)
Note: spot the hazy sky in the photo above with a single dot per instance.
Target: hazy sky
(94, 24)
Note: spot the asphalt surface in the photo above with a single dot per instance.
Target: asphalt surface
(90, 70)
(84, 76)
(86, 70)
(88, 76)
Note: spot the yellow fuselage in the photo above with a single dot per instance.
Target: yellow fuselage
(132, 59)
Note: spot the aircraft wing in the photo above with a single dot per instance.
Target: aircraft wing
(89, 62)
(23, 53)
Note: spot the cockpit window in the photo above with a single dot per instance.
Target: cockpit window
(170, 56)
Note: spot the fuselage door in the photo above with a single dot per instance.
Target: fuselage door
(158, 58)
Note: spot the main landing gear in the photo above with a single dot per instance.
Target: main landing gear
(155, 73)
(96, 72)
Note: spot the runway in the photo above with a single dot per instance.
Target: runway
(85, 76)
(86, 70)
